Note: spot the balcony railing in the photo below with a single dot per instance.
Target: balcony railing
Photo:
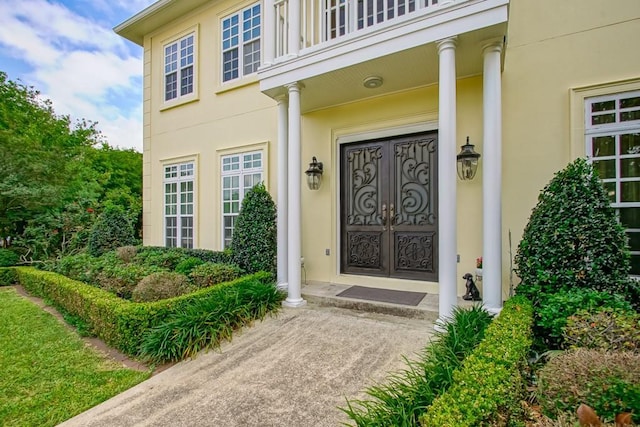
(321, 21)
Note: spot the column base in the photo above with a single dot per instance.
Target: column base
(494, 311)
(294, 303)
(440, 324)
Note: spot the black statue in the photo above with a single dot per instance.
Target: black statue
(473, 294)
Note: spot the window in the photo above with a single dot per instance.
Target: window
(612, 128)
(178, 205)
(178, 68)
(240, 172)
(241, 43)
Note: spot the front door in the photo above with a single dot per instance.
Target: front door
(389, 207)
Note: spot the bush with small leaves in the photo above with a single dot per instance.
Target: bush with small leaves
(209, 274)
(127, 253)
(605, 329)
(574, 239)
(111, 230)
(122, 279)
(607, 381)
(187, 265)
(8, 258)
(254, 240)
(159, 286)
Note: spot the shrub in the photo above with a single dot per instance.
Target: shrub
(609, 382)
(111, 230)
(187, 265)
(8, 258)
(83, 267)
(122, 279)
(7, 276)
(209, 320)
(161, 257)
(404, 397)
(159, 286)
(127, 253)
(254, 240)
(606, 329)
(209, 274)
(121, 324)
(554, 309)
(573, 239)
(488, 388)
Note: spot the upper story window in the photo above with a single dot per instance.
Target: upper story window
(179, 205)
(240, 172)
(612, 133)
(178, 67)
(241, 43)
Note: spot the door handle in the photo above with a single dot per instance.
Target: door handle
(392, 214)
(384, 215)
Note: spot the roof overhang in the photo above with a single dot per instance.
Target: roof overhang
(153, 17)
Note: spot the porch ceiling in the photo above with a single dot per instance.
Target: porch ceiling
(400, 71)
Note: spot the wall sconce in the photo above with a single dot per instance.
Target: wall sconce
(314, 174)
(467, 162)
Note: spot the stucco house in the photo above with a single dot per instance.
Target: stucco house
(384, 93)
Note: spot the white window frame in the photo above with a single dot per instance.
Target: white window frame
(179, 195)
(239, 33)
(613, 129)
(243, 166)
(180, 58)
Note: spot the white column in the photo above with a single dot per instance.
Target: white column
(447, 180)
(294, 27)
(283, 190)
(492, 179)
(269, 32)
(294, 295)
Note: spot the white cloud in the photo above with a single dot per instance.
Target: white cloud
(79, 63)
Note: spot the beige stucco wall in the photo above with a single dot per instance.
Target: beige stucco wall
(556, 53)
(554, 50)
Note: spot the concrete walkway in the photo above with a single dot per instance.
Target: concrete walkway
(293, 370)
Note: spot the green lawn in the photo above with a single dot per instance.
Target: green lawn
(47, 374)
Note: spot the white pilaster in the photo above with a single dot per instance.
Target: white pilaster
(447, 180)
(269, 32)
(492, 179)
(294, 294)
(294, 27)
(283, 190)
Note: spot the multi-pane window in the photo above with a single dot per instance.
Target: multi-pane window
(178, 205)
(612, 128)
(178, 68)
(240, 172)
(241, 43)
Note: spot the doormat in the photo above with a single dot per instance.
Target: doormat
(383, 295)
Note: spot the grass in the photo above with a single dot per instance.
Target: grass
(47, 373)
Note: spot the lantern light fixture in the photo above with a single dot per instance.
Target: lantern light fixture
(467, 162)
(314, 174)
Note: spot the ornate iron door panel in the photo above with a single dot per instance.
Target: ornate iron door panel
(389, 207)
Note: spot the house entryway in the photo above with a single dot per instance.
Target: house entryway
(389, 207)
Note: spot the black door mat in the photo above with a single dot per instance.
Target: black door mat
(383, 295)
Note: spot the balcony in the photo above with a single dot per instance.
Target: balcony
(336, 44)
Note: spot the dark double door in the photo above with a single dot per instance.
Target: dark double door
(389, 207)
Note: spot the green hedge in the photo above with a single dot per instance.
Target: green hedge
(7, 276)
(120, 323)
(489, 386)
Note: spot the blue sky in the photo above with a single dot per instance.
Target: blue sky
(67, 49)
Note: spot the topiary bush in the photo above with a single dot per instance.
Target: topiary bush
(127, 253)
(187, 265)
(550, 317)
(573, 239)
(122, 279)
(111, 230)
(606, 329)
(607, 381)
(254, 239)
(8, 258)
(209, 274)
(158, 286)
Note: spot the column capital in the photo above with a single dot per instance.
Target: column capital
(294, 86)
(281, 98)
(448, 43)
(493, 45)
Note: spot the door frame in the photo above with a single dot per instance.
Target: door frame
(363, 136)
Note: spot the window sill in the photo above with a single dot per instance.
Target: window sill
(178, 102)
(236, 84)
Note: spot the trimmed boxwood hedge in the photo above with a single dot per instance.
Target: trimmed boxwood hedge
(120, 323)
(489, 386)
(7, 276)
